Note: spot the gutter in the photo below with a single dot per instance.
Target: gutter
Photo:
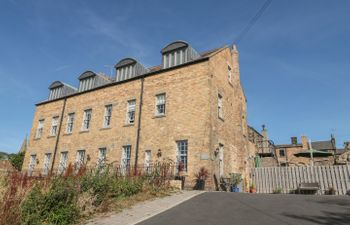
(58, 135)
(139, 125)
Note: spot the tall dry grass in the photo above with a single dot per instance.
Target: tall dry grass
(91, 191)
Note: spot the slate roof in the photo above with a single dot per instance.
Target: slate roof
(152, 70)
(323, 145)
(202, 55)
(340, 151)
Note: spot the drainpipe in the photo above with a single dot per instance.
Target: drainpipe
(58, 135)
(139, 127)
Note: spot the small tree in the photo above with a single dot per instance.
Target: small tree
(17, 160)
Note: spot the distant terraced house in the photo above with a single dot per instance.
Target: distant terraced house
(191, 110)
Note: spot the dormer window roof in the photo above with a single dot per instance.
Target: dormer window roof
(89, 80)
(128, 68)
(176, 53)
(59, 89)
(87, 74)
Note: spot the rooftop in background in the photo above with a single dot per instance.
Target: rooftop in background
(323, 145)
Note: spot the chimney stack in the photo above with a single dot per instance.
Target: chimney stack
(305, 142)
(347, 145)
(294, 140)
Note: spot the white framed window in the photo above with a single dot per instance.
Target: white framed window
(107, 116)
(70, 122)
(220, 107)
(229, 73)
(131, 108)
(102, 155)
(160, 104)
(39, 130)
(32, 163)
(148, 160)
(63, 162)
(182, 147)
(87, 119)
(79, 159)
(47, 163)
(54, 126)
(126, 155)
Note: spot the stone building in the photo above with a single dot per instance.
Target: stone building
(286, 152)
(261, 149)
(343, 154)
(191, 109)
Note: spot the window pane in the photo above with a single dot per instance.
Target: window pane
(87, 119)
(160, 104)
(182, 155)
(130, 117)
(107, 116)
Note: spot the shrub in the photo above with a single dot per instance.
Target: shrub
(55, 205)
(103, 185)
(65, 199)
(17, 160)
(17, 185)
(277, 190)
(236, 178)
(98, 183)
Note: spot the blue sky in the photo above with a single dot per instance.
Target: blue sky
(294, 62)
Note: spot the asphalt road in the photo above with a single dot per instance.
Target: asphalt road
(220, 208)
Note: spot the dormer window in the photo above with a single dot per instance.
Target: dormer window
(90, 80)
(128, 68)
(59, 89)
(55, 93)
(177, 53)
(87, 81)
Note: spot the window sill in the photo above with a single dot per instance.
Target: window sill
(230, 83)
(83, 131)
(159, 116)
(220, 118)
(128, 125)
(105, 128)
(51, 136)
(67, 134)
(37, 138)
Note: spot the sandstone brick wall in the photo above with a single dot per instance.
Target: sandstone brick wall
(232, 130)
(191, 114)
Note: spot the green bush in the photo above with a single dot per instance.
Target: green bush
(103, 185)
(126, 187)
(68, 198)
(17, 160)
(54, 206)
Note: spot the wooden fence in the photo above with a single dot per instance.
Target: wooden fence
(267, 179)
